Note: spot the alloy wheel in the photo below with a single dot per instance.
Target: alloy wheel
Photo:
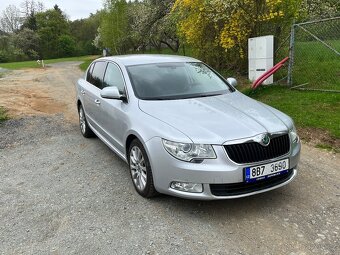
(138, 168)
(82, 120)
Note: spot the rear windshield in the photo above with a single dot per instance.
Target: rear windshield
(175, 81)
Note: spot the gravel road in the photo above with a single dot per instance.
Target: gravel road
(63, 194)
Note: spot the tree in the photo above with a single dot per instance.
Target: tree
(10, 19)
(51, 24)
(4, 47)
(31, 7)
(30, 22)
(319, 9)
(151, 23)
(138, 18)
(44, 34)
(84, 31)
(133, 25)
(218, 30)
(114, 27)
(28, 41)
(66, 46)
(58, 10)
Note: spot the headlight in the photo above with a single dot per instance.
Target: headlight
(189, 151)
(293, 135)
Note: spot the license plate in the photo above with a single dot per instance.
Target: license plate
(261, 172)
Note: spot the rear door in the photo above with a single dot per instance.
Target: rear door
(91, 93)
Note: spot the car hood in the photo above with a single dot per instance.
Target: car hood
(217, 119)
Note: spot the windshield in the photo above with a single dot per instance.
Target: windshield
(175, 81)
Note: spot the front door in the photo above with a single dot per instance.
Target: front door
(113, 119)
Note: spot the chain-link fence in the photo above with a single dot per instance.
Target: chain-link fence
(315, 55)
(281, 52)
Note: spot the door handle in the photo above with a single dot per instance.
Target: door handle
(82, 92)
(97, 101)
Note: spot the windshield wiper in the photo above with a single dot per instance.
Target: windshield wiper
(159, 98)
(210, 95)
(202, 95)
(181, 97)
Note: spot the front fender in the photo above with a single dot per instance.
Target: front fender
(146, 127)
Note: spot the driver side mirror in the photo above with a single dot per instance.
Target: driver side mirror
(111, 93)
(232, 81)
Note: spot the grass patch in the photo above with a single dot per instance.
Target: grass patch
(317, 65)
(327, 147)
(3, 114)
(83, 66)
(308, 109)
(324, 146)
(33, 64)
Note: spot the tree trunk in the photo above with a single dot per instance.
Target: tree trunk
(173, 48)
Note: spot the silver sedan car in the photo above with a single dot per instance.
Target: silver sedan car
(184, 130)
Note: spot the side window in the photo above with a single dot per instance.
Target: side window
(98, 74)
(113, 77)
(89, 73)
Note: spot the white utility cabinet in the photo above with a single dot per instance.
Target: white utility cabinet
(260, 57)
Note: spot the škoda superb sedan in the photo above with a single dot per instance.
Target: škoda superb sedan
(184, 130)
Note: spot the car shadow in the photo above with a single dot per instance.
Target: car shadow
(256, 205)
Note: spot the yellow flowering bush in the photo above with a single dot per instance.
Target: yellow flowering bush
(226, 25)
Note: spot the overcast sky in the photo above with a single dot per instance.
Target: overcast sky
(75, 9)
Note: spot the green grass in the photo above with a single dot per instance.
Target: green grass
(3, 114)
(33, 64)
(307, 108)
(317, 65)
(324, 146)
(83, 66)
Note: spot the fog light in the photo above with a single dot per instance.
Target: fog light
(187, 187)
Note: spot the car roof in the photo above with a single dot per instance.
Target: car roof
(141, 59)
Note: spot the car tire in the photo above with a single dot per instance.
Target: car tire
(140, 170)
(84, 126)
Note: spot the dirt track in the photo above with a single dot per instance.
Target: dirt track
(63, 194)
(31, 92)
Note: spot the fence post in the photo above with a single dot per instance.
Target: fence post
(291, 56)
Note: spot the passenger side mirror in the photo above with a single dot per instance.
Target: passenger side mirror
(111, 93)
(232, 81)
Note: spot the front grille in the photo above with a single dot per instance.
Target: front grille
(234, 189)
(254, 152)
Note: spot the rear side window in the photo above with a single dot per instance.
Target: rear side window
(98, 74)
(113, 77)
(89, 73)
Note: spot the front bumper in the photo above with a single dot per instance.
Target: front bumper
(221, 170)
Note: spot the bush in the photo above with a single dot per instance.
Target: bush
(4, 58)
(32, 54)
(3, 114)
(18, 55)
(66, 46)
